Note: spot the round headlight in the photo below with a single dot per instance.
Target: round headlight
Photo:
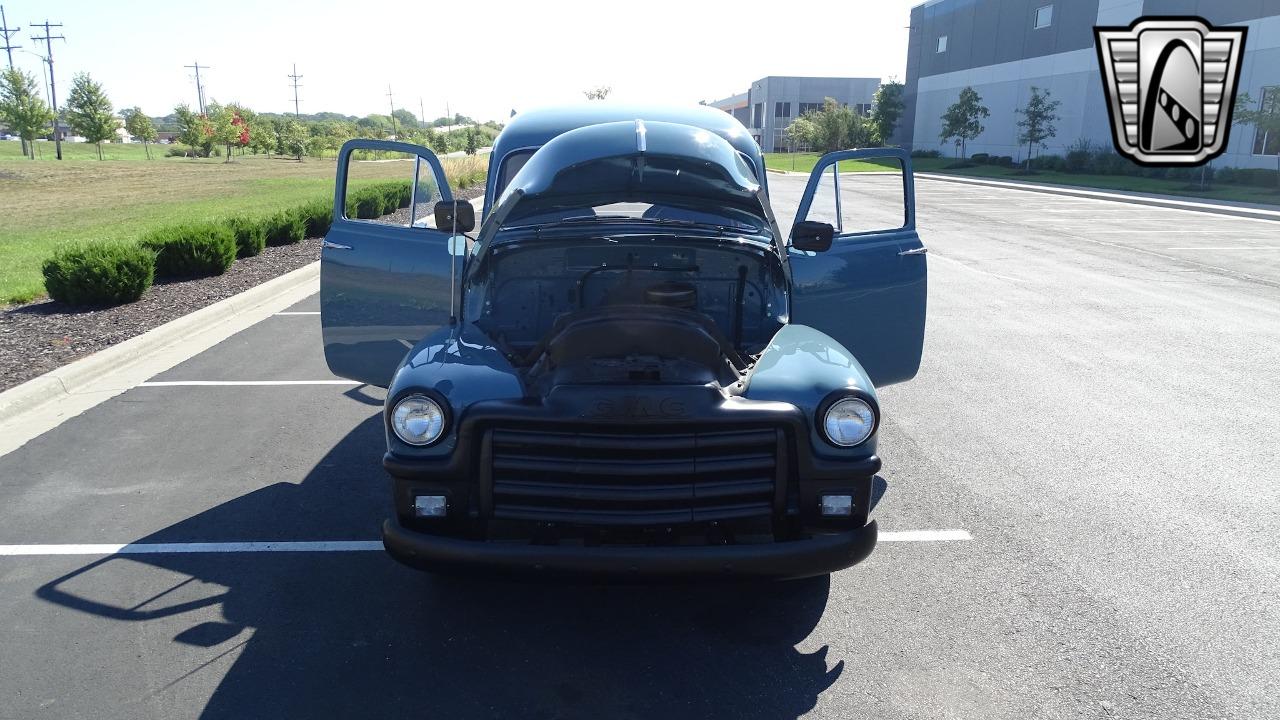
(849, 422)
(417, 420)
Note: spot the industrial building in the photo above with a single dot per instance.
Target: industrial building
(771, 103)
(1002, 48)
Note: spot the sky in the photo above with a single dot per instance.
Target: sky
(479, 59)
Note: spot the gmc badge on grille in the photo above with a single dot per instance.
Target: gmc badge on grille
(638, 407)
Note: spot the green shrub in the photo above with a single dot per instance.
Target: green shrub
(373, 201)
(390, 199)
(100, 274)
(369, 204)
(926, 154)
(1260, 177)
(285, 228)
(192, 250)
(980, 158)
(1003, 161)
(317, 216)
(250, 233)
(1049, 162)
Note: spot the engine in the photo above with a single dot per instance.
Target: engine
(630, 311)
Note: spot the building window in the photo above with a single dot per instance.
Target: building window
(1267, 143)
(1044, 16)
(757, 115)
(806, 108)
(942, 43)
(782, 109)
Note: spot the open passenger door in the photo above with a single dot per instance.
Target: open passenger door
(385, 277)
(868, 289)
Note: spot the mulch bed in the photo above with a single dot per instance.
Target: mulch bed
(40, 336)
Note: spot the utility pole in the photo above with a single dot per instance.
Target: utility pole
(295, 77)
(53, 88)
(8, 48)
(4, 28)
(199, 88)
(393, 111)
(422, 114)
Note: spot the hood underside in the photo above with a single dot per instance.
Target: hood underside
(656, 163)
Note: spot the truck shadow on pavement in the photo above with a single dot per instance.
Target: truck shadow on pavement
(353, 634)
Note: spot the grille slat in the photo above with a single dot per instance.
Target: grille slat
(633, 479)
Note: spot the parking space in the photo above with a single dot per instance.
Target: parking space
(1090, 410)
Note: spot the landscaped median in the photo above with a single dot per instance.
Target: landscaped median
(1083, 166)
(103, 293)
(105, 274)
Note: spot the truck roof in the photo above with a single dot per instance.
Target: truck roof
(534, 128)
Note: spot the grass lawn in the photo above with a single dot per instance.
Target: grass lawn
(804, 162)
(47, 203)
(12, 150)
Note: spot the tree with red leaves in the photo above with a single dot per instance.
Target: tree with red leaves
(228, 127)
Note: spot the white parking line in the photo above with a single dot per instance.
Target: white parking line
(188, 548)
(225, 383)
(1237, 247)
(194, 547)
(299, 312)
(925, 536)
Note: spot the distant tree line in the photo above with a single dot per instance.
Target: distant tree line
(223, 129)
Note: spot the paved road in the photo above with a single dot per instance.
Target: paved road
(1097, 407)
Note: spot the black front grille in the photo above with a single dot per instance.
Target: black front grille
(628, 479)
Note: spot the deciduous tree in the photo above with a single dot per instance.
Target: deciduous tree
(834, 127)
(963, 120)
(228, 127)
(888, 109)
(1038, 119)
(406, 119)
(293, 139)
(193, 129)
(22, 108)
(89, 111)
(1265, 118)
(137, 124)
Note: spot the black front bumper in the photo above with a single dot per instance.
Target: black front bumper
(524, 494)
(786, 560)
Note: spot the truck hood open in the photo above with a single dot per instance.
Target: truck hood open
(658, 163)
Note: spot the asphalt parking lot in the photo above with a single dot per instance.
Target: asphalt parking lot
(1096, 409)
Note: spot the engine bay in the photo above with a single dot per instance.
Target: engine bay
(640, 310)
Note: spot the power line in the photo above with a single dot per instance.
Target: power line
(53, 88)
(295, 77)
(4, 28)
(199, 88)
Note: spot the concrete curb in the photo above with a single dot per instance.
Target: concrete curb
(1115, 196)
(44, 402)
